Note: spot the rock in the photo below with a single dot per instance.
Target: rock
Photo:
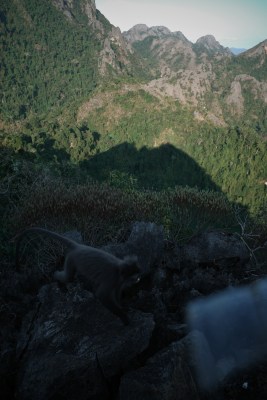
(210, 44)
(70, 346)
(140, 32)
(172, 256)
(216, 248)
(160, 278)
(151, 302)
(166, 376)
(7, 370)
(146, 241)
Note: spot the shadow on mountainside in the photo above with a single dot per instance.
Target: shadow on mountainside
(123, 166)
(157, 168)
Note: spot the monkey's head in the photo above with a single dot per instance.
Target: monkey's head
(130, 270)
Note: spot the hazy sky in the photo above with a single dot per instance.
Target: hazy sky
(234, 23)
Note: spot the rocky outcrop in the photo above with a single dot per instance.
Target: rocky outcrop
(116, 50)
(210, 44)
(195, 74)
(70, 346)
(215, 247)
(65, 348)
(186, 73)
(241, 83)
(142, 31)
(146, 240)
(86, 7)
(166, 376)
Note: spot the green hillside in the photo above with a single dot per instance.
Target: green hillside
(46, 61)
(233, 160)
(50, 57)
(60, 110)
(134, 138)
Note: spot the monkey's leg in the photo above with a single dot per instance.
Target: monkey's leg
(110, 303)
(67, 275)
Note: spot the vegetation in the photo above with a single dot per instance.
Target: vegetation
(63, 199)
(43, 68)
(165, 147)
(130, 154)
(149, 149)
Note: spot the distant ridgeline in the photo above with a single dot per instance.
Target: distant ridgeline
(146, 108)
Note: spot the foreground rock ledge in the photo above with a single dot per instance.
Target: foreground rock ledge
(168, 375)
(70, 346)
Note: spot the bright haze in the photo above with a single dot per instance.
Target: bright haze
(234, 23)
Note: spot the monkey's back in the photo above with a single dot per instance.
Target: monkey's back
(94, 265)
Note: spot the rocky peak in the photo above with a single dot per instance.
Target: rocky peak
(136, 33)
(141, 31)
(210, 43)
(65, 6)
(115, 50)
(181, 36)
(159, 31)
(86, 7)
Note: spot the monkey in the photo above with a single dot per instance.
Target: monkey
(106, 274)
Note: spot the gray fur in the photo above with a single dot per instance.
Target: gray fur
(107, 275)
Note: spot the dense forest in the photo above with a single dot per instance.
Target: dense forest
(44, 64)
(151, 149)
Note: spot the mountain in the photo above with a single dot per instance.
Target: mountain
(67, 49)
(74, 88)
(204, 75)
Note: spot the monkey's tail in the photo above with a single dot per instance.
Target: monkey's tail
(68, 242)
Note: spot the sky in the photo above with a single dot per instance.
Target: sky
(234, 23)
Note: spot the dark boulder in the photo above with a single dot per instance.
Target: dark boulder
(146, 241)
(70, 346)
(215, 248)
(168, 375)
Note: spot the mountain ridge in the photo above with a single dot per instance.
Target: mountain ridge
(196, 73)
(141, 31)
